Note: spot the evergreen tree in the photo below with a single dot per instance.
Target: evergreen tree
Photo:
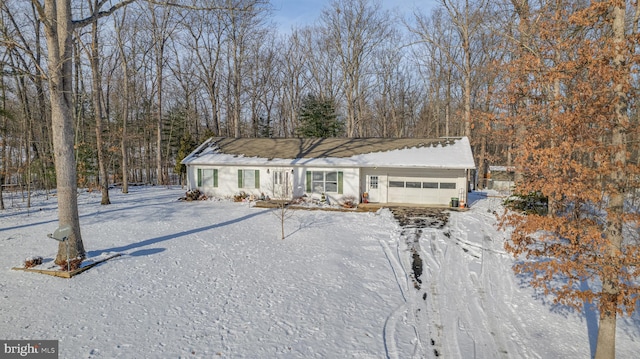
(186, 146)
(318, 118)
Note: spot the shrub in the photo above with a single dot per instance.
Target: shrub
(532, 203)
(348, 201)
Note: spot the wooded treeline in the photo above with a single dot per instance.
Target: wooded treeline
(151, 81)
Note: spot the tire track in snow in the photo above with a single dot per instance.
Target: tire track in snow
(463, 314)
(494, 290)
(457, 325)
(433, 258)
(391, 321)
(404, 311)
(489, 330)
(420, 235)
(473, 318)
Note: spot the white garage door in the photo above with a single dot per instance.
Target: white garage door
(422, 190)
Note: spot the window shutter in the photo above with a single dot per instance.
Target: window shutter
(239, 178)
(308, 181)
(199, 179)
(257, 178)
(340, 175)
(215, 178)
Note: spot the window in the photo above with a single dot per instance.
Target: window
(331, 182)
(398, 184)
(278, 178)
(446, 185)
(413, 185)
(324, 181)
(373, 182)
(207, 177)
(430, 185)
(248, 179)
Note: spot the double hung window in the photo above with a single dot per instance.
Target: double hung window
(249, 179)
(207, 177)
(324, 181)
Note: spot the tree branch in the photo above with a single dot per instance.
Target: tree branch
(100, 14)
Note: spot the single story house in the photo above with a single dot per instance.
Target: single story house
(383, 170)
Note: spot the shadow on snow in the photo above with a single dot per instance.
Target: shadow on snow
(156, 240)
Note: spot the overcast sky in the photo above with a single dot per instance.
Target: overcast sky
(290, 13)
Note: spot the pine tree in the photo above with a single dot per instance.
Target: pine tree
(318, 118)
(187, 145)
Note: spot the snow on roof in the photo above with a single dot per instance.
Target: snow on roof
(502, 168)
(452, 153)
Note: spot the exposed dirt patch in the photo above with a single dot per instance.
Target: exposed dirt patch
(417, 267)
(410, 217)
(412, 221)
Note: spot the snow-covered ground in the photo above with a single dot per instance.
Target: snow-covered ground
(213, 279)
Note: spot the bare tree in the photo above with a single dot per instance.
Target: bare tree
(206, 38)
(392, 112)
(243, 22)
(438, 56)
(4, 114)
(21, 37)
(262, 78)
(56, 17)
(162, 28)
(467, 16)
(96, 86)
(58, 26)
(280, 188)
(354, 29)
(292, 81)
(283, 212)
(124, 63)
(322, 66)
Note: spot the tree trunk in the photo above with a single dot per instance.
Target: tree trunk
(3, 148)
(159, 38)
(58, 30)
(606, 344)
(524, 29)
(615, 206)
(125, 106)
(97, 108)
(123, 141)
(606, 337)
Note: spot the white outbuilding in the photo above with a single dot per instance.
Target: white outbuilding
(383, 170)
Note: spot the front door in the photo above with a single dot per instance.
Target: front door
(373, 188)
(282, 184)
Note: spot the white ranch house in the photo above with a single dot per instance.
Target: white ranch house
(388, 170)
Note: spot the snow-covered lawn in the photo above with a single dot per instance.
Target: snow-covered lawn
(213, 279)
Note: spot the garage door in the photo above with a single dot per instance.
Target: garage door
(422, 190)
